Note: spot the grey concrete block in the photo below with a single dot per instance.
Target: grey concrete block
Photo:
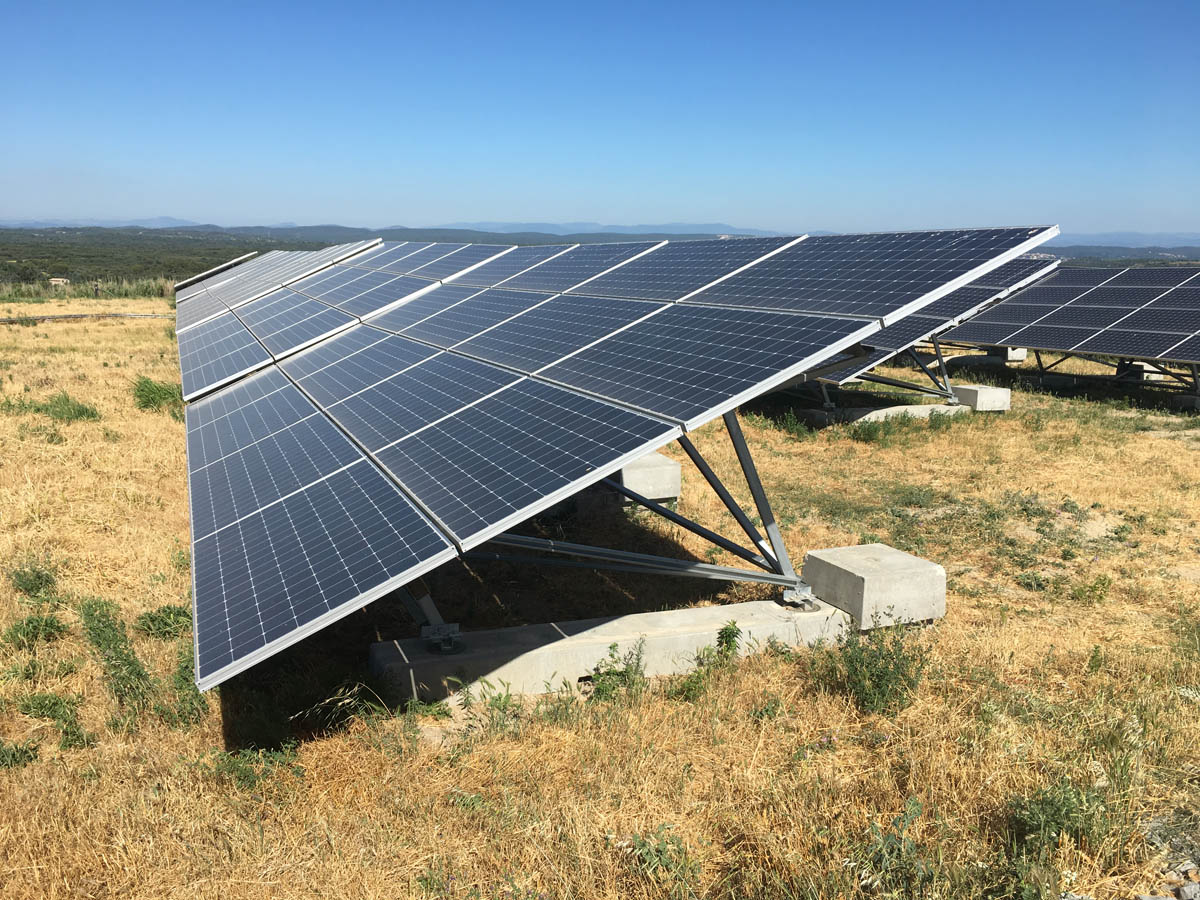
(531, 659)
(654, 476)
(877, 583)
(1142, 371)
(983, 398)
(1013, 354)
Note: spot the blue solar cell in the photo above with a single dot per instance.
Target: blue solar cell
(549, 332)
(1013, 272)
(1050, 337)
(451, 265)
(1156, 318)
(286, 321)
(265, 470)
(422, 307)
(389, 253)
(270, 579)
(904, 333)
(199, 308)
(680, 268)
(1015, 313)
(337, 347)
(352, 373)
(1187, 351)
(864, 274)
(1094, 317)
(217, 351)
(575, 266)
(468, 318)
(1121, 342)
(958, 303)
(246, 412)
(1079, 276)
(398, 405)
(502, 459)
(985, 333)
(689, 360)
(412, 261)
(1119, 296)
(510, 264)
(1179, 298)
(1155, 276)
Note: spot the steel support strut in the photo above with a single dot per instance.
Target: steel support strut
(773, 556)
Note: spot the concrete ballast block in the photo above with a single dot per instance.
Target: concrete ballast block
(983, 398)
(654, 476)
(1014, 354)
(877, 583)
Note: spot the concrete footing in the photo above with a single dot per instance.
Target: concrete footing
(822, 417)
(983, 398)
(877, 584)
(654, 476)
(532, 659)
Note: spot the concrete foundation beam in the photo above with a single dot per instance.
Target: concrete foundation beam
(879, 413)
(877, 584)
(983, 398)
(532, 659)
(654, 476)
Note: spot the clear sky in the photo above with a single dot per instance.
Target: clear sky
(790, 116)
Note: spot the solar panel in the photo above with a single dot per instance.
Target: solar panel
(200, 308)
(398, 405)
(687, 361)
(358, 367)
(465, 258)
(551, 330)
(428, 304)
(880, 276)
(576, 266)
(290, 267)
(270, 579)
(1014, 272)
(286, 321)
(473, 315)
(503, 459)
(678, 269)
(1142, 313)
(516, 260)
(216, 352)
(357, 463)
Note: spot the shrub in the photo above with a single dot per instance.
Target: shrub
(617, 676)
(891, 864)
(25, 634)
(170, 621)
(879, 671)
(1036, 822)
(663, 859)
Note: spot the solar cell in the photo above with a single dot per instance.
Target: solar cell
(516, 260)
(471, 255)
(1179, 298)
(957, 303)
(1050, 337)
(576, 266)
(984, 333)
(388, 253)
(423, 306)
(407, 263)
(1187, 351)
(1016, 313)
(1080, 276)
(216, 352)
(250, 410)
(1156, 318)
(505, 458)
(550, 331)
(1119, 296)
(1158, 276)
(1014, 272)
(678, 269)
(400, 404)
(286, 321)
(276, 576)
(1123, 342)
(904, 333)
(687, 361)
(362, 368)
(473, 315)
(1086, 316)
(871, 275)
(400, 289)
(327, 352)
(200, 308)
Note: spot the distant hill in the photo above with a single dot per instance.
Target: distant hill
(1154, 240)
(565, 228)
(156, 222)
(1129, 254)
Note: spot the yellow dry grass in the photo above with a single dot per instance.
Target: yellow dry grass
(546, 805)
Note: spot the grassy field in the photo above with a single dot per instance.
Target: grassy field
(1023, 745)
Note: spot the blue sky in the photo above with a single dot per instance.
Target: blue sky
(845, 116)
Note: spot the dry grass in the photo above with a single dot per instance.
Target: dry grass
(769, 784)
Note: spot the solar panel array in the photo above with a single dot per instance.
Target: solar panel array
(416, 409)
(938, 316)
(1141, 313)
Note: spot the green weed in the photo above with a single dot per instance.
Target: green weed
(620, 676)
(63, 711)
(663, 859)
(1037, 822)
(16, 756)
(28, 632)
(34, 577)
(63, 408)
(879, 671)
(170, 621)
(126, 677)
(158, 395)
(249, 769)
(891, 864)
